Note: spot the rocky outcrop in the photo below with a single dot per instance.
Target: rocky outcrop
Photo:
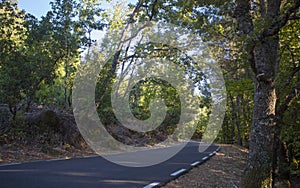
(54, 128)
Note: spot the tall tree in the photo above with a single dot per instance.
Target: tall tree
(12, 40)
(258, 24)
(73, 23)
(63, 18)
(91, 18)
(262, 46)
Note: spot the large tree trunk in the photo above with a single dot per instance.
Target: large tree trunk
(260, 168)
(261, 38)
(264, 59)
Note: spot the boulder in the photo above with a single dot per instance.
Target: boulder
(54, 128)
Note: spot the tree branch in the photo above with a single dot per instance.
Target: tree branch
(288, 100)
(288, 81)
(153, 12)
(117, 54)
(275, 28)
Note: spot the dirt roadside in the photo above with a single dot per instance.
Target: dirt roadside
(223, 170)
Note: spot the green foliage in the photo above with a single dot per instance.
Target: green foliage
(256, 178)
(36, 55)
(144, 92)
(288, 78)
(12, 55)
(214, 21)
(90, 19)
(51, 94)
(147, 90)
(39, 58)
(290, 135)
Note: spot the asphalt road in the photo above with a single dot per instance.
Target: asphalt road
(96, 172)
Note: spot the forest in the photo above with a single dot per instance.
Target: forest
(256, 44)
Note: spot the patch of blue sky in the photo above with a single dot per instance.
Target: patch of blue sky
(39, 8)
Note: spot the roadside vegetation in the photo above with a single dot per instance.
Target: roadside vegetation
(256, 43)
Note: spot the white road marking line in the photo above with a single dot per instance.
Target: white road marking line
(178, 172)
(62, 159)
(204, 158)
(10, 164)
(92, 156)
(152, 185)
(195, 163)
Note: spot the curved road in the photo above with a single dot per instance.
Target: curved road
(96, 172)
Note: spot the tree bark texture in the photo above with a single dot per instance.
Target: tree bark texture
(263, 56)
